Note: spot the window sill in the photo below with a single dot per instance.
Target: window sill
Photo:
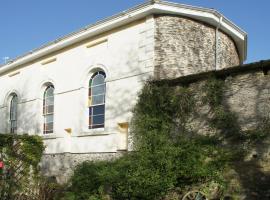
(50, 136)
(92, 132)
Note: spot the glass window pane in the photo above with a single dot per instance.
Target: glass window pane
(97, 80)
(99, 110)
(49, 101)
(48, 119)
(98, 119)
(49, 109)
(49, 91)
(99, 99)
(13, 124)
(13, 116)
(100, 89)
(49, 126)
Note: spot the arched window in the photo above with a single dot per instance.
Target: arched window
(48, 109)
(96, 96)
(13, 113)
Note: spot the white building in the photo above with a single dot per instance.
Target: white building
(78, 91)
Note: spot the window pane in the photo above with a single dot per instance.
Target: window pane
(49, 109)
(49, 92)
(13, 116)
(48, 119)
(49, 127)
(98, 119)
(99, 99)
(100, 89)
(97, 80)
(13, 130)
(49, 101)
(13, 124)
(99, 110)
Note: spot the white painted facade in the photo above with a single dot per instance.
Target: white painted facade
(114, 53)
(122, 47)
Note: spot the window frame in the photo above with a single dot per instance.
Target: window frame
(45, 110)
(92, 106)
(13, 111)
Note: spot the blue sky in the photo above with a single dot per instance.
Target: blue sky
(28, 24)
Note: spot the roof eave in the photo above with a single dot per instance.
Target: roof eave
(203, 14)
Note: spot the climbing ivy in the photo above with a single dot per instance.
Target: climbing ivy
(226, 122)
(238, 141)
(169, 156)
(21, 155)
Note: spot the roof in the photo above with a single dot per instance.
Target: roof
(209, 16)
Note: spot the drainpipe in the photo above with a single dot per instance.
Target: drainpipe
(216, 49)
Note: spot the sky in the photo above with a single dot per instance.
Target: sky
(28, 24)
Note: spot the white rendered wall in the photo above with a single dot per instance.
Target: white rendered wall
(125, 54)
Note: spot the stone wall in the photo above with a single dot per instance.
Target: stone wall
(227, 52)
(247, 95)
(61, 166)
(184, 46)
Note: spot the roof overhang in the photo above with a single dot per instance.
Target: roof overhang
(209, 16)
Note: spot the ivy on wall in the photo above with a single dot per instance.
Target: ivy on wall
(226, 122)
(20, 155)
(168, 156)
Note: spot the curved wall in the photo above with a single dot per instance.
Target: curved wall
(184, 46)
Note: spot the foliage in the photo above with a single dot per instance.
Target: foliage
(21, 155)
(167, 154)
(226, 121)
(231, 136)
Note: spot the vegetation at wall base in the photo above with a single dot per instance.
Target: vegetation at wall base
(168, 159)
(21, 155)
(167, 156)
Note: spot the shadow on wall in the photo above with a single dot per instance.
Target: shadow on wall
(120, 98)
(253, 170)
(246, 100)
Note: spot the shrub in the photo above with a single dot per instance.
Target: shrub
(165, 157)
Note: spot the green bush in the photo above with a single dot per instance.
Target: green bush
(166, 155)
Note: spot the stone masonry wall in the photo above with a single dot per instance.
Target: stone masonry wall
(227, 52)
(247, 94)
(184, 46)
(61, 166)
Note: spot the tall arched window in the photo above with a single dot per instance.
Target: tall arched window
(97, 91)
(13, 113)
(48, 109)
